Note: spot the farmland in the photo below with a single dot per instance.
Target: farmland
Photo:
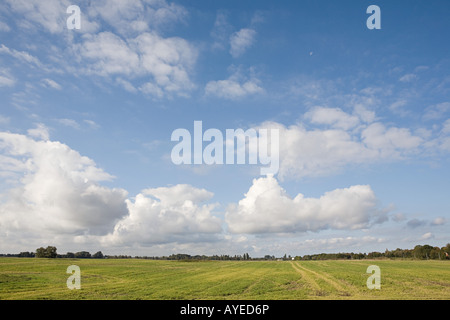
(131, 279)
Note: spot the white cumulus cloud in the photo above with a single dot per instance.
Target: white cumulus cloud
(55, 195)
(267, 208)
(167, 214)
(57, 190)
(330, 139)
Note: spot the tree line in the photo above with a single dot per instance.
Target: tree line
(420, 252)
(50, 252)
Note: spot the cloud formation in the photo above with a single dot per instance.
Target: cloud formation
(50, 15)
(59, 191)
(117, 39)
(333, 117)
(130, 17)
(56, 195)
(338, 139)
(266, 208)
(22, 56)
(124, 16)
(232, 89)
(237, 86)
(167, 214)
(157, 65)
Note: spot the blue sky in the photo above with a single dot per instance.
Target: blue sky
(86, 118)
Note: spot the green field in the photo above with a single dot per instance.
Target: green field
(33, 278)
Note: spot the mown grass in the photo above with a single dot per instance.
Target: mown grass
(32, 278)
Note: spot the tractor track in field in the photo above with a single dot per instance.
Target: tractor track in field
(304, 276)
(311, 277)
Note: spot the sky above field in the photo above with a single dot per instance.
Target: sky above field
(87, 115)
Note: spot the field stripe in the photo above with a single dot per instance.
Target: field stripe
(325, 277)
(313, 284)
(343, 291)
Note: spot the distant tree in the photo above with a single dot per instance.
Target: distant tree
(374, 254)
(70, 255)
(435, 253)
(418, 252)
(98, 255)
(358, 256)
(82, 255)
(40, 252)
(427, 249)
(49, 252)
(26, 254)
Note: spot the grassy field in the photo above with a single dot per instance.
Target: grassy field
(32, 278)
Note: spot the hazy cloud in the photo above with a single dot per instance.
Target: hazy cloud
(408, 77)
(221, 31)
(40, 132)
(427, 236)
(49, 83)
(69, 123)
(23, 56)
(437, 111)
(6, 79)
(241, 40)
(333, 117)
(167, 62)
(231, 89)
(131, 17)
(438, 221)
(235, 87)
(415, 223)
(51, 15)
(4, 27)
